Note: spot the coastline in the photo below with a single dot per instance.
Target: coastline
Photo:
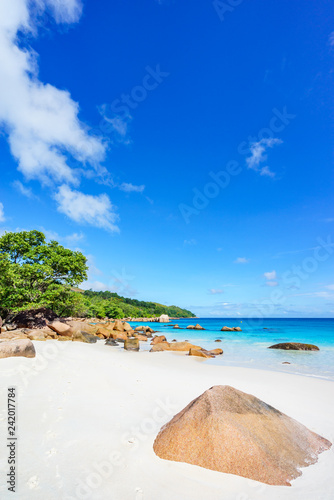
(90, 414)
(249, 348)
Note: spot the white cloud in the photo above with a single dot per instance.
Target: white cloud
(2, 213)
(25, 191)
(258, 155)
(87, 209)
(266, 171)
(330, 287)
(241, 260)
(191, 242)
(116, 125)
(64, 11)
(98, 286)
(118, 281)
(70, 239)
(270, 275)
(331, 39)
(272, 283)
(214, 291)
(41, 121)
(131, 188)
(322, 295)
(93, 270)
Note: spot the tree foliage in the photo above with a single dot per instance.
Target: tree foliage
(106, 301)
(35, 273)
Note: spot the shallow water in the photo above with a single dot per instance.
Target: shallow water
(249, 348)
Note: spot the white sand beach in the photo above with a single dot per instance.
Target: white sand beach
(88, 416)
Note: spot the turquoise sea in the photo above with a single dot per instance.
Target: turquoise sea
(249, 348)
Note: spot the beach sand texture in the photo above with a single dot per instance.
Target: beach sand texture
(88, 416)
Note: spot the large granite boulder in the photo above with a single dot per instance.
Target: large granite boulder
(142, 338)
(60, 328)
(174, 346)
(217, 352)
(87, 338)
(295, 346)
(143, 328)
(118, 335)
(198, 327)
(203, 353)
(140, 329)
(15, 348)
(37, 335)
(127, 327)
(14, 335)
(164, 318)
(119, 325)
(111, 342)
(231, 329)
(131, 344)
(103, 332)
(230, 431)
(158, 339)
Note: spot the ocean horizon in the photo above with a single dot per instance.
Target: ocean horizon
(249, 348)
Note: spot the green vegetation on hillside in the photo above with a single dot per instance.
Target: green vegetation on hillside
(34, 273)
(110, 304)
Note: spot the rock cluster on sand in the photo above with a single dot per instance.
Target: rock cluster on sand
(230, 431)
(42, 324)
(295, 346)
(160, 344)
(18, 347)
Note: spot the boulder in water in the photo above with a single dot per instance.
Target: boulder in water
(295, 346)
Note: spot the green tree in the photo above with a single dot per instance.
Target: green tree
(34, 273)
(113, 311)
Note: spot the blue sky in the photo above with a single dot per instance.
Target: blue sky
(186, 148)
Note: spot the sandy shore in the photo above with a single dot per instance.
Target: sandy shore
(88, 416)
